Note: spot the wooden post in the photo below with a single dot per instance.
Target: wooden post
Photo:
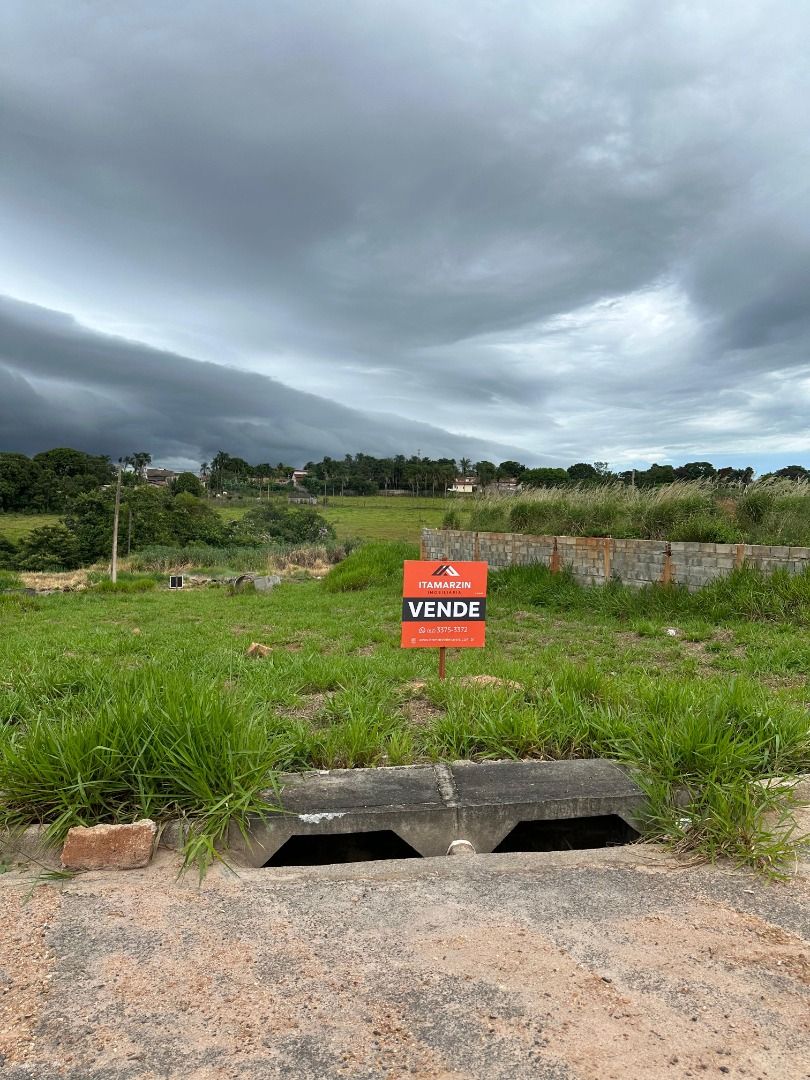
(442, 654)
(114, 566)
(739, 556)
(666, 574)
(555, 558)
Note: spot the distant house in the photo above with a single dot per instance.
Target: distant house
(160, 477)
(298, 477)
(302, 497)
(465, 485)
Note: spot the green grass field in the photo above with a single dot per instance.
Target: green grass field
(15, 526)
(375, 517)
(116, 704)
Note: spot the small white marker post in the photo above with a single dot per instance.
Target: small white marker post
(114, 564)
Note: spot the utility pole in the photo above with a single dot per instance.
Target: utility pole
(129, 533)
(114, 566)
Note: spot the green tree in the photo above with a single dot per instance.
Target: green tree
(20, 483)
(582, 472)
(793, 472)
(545, 477)
(191, 520)
(8, 554)
(187, 482)
(510, 470)
(486, 471)
(695, 470)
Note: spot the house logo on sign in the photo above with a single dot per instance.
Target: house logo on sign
(445, 570)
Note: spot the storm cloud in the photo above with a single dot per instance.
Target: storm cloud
(55, 374)
(302, 228)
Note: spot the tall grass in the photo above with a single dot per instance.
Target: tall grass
(9, 580)
(371, 564)
(745, 593)
(267, 557)
(154, 745)
(769, 512)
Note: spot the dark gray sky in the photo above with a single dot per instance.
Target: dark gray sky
(554, 230)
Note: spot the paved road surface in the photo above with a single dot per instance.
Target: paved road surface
(592, 965)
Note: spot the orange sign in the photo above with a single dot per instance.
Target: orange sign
(444, 605)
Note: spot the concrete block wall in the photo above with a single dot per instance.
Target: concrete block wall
(595, 560)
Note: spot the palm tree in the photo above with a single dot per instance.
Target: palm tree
(464, 466)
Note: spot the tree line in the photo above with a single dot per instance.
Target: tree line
(49, 482)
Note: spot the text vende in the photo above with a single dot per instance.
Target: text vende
(416, 610)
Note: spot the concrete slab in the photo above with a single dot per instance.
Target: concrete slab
(431, 806)
(493, 797)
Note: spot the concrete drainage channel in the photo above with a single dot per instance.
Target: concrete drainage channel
(353, 815)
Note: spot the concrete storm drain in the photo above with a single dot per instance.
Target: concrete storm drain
(353, 815)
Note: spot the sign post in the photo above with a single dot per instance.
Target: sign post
(444, 605)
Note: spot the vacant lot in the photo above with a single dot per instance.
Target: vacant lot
(375, 517)
(705, 694)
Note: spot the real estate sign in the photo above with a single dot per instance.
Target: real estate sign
(444, 605)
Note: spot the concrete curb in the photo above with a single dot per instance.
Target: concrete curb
(431, 806)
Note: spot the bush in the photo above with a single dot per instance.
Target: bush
(769, 512)
(53, 547)
(280, 523)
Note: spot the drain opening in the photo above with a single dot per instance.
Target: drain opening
(605, 830)
(327, 848)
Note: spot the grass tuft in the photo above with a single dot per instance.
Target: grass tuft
(373, 564)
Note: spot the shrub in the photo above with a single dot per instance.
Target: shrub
(286, 524)
(52, 547)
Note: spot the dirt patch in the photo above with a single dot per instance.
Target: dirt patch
(367, 650)
(311, 705)
(415, 686)
(26, 967)
(490, 681)
(669, 991)
(420, 712)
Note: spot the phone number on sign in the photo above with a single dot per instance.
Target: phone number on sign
(444, 630)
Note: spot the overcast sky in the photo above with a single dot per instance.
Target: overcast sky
(559, 231)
